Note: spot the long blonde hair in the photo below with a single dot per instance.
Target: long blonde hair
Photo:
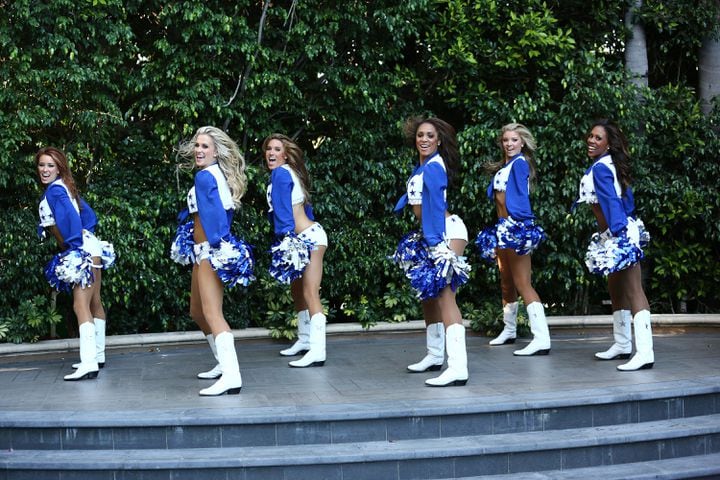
(528, 149)
(229, 159)
(295, 160)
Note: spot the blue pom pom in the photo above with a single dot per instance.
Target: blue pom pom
(608, 254)
(108, 254)
(522, 236)
(68, 269)
(181, 250)
(644, 235)
(486, 242)
(411, 250)
(289, 257)
(233, 262)
(441, 268)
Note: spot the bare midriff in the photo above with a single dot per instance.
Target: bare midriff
(500, 206)
(302, 222)
(417, 211)
(199, 235)
(599, 216)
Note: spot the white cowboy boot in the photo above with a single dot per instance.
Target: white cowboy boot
(540, 344)
(456, 374)
(435, 339)
(230, 381)
(622, 333)
(508, 334)
(644, 355)
(216, 371)
(315, 357)
(99, 343)
(88, 367)
(302, 344)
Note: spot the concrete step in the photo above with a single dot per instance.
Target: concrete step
(697, 467)
(403, 459)
(344, 423)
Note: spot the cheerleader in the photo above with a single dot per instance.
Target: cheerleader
(297, 253)
(78, 268)
(432, 259)
(616, 250)
(514, 237)
(218, 258)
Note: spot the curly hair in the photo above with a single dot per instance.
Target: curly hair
(528, 149)
(447, 142)
(64, 172)
(229, 159)
(295, 160)
(618, 148)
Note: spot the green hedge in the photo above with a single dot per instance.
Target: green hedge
(118, 84)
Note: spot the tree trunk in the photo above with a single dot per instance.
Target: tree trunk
(636, 60)
(709, 73)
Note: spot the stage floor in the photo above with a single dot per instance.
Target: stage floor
(364, 373)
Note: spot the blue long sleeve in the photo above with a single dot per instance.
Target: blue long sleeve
(213, 217)
(87, 216)
(517, 195)
(433, 203)
(610, 203)
(67, 218)
(281, 197)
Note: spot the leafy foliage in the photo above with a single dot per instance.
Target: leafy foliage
(118, 84)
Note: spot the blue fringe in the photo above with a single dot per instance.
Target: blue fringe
(233, 262)
(108, 255)
(289, 257)
(608, 254)
(486, 242)
(441, 268)
(181, 250)
(644, 234)
(522, 236)
(411, 250)
(68, 269)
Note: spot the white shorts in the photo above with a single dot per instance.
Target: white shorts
(202, 252)
(91, 244)
(98, 248)
(316, 234)
(455, 228)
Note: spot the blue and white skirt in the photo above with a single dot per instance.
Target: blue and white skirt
(524, 237)
(608, 253)
(233, 260)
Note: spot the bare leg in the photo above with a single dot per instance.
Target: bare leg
(521, 267)
(311, 279)
(210, 289)
(456, 373)
(509, 300)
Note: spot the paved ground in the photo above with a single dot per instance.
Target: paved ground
(361, 369)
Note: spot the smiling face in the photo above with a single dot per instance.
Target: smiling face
(597, 142)
(275, 155)
(426, 140)
(48, 170)
(205, 153)
(512, 143)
